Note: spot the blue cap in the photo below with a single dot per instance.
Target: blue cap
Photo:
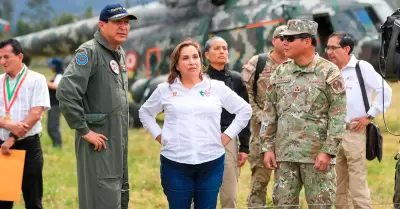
(54, 62)
(115, 12)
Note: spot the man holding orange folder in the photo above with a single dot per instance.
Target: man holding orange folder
(23, 99)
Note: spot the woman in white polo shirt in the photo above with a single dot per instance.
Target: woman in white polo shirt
(192, 153)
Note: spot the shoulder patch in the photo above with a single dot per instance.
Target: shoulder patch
(338, 85)
(247, 72)
(81, 59)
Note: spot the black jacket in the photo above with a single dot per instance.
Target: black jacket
(234, 81)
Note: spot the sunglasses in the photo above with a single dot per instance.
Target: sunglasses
(291, 38)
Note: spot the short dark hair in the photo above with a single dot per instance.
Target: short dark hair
(312, 37)
(26, 60)
(307, 35)
(314, 41)
(345, 39)
(17, 48)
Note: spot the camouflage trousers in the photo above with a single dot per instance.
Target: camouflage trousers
(260, 176)
(396, 197)
(320, 187)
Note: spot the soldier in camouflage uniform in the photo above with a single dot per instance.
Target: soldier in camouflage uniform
(304, 121)
(259, 174)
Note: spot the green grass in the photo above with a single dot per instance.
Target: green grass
(60, 183)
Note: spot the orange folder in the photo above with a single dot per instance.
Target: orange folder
(11, 170)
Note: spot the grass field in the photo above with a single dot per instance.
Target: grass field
(60, 183)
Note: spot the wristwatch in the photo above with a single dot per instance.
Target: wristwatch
(13, 136)
(369, 117)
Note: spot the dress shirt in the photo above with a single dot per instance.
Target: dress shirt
(33, 93)
(372, 82)
(191, 133)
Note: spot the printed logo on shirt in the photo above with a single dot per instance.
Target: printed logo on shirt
(206, 93)
(114, 66)
(174, 94)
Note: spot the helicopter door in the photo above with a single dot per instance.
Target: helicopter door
(325, 29)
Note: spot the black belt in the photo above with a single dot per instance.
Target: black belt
(28, 137)
(223, 128)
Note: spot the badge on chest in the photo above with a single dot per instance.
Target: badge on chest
(114, 67)
(297, 89)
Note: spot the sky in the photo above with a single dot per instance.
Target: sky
(74, 6)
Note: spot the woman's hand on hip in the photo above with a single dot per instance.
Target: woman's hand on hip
(225, 139)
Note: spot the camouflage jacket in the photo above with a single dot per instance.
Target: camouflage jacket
(249, 69)
(304, 112)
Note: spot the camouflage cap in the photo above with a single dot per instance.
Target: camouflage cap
(298, 26)
(279, 30)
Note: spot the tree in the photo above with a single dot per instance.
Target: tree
(88, 13)
(40, 14)
(6, 9)
(66, 18)
(22, 27)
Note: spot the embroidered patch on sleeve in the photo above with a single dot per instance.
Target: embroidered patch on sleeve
(264, 127)
(246, 74)
(81, 59)
(338, 86)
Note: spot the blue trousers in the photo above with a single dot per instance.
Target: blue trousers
(184, 183)
(53, 125)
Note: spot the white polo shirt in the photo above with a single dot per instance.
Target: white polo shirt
(33, 93)
(372, 82)
(191, 132)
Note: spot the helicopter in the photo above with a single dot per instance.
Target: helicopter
(246, 25)
(4, 26)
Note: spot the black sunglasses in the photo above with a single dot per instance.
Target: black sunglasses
(291, 38)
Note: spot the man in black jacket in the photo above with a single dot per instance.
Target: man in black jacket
(216, 52)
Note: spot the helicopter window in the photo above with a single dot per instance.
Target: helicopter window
(347, 21)
(374, 17)
(366, 20)
(381, 9)
(325, 27)
(153, 58)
